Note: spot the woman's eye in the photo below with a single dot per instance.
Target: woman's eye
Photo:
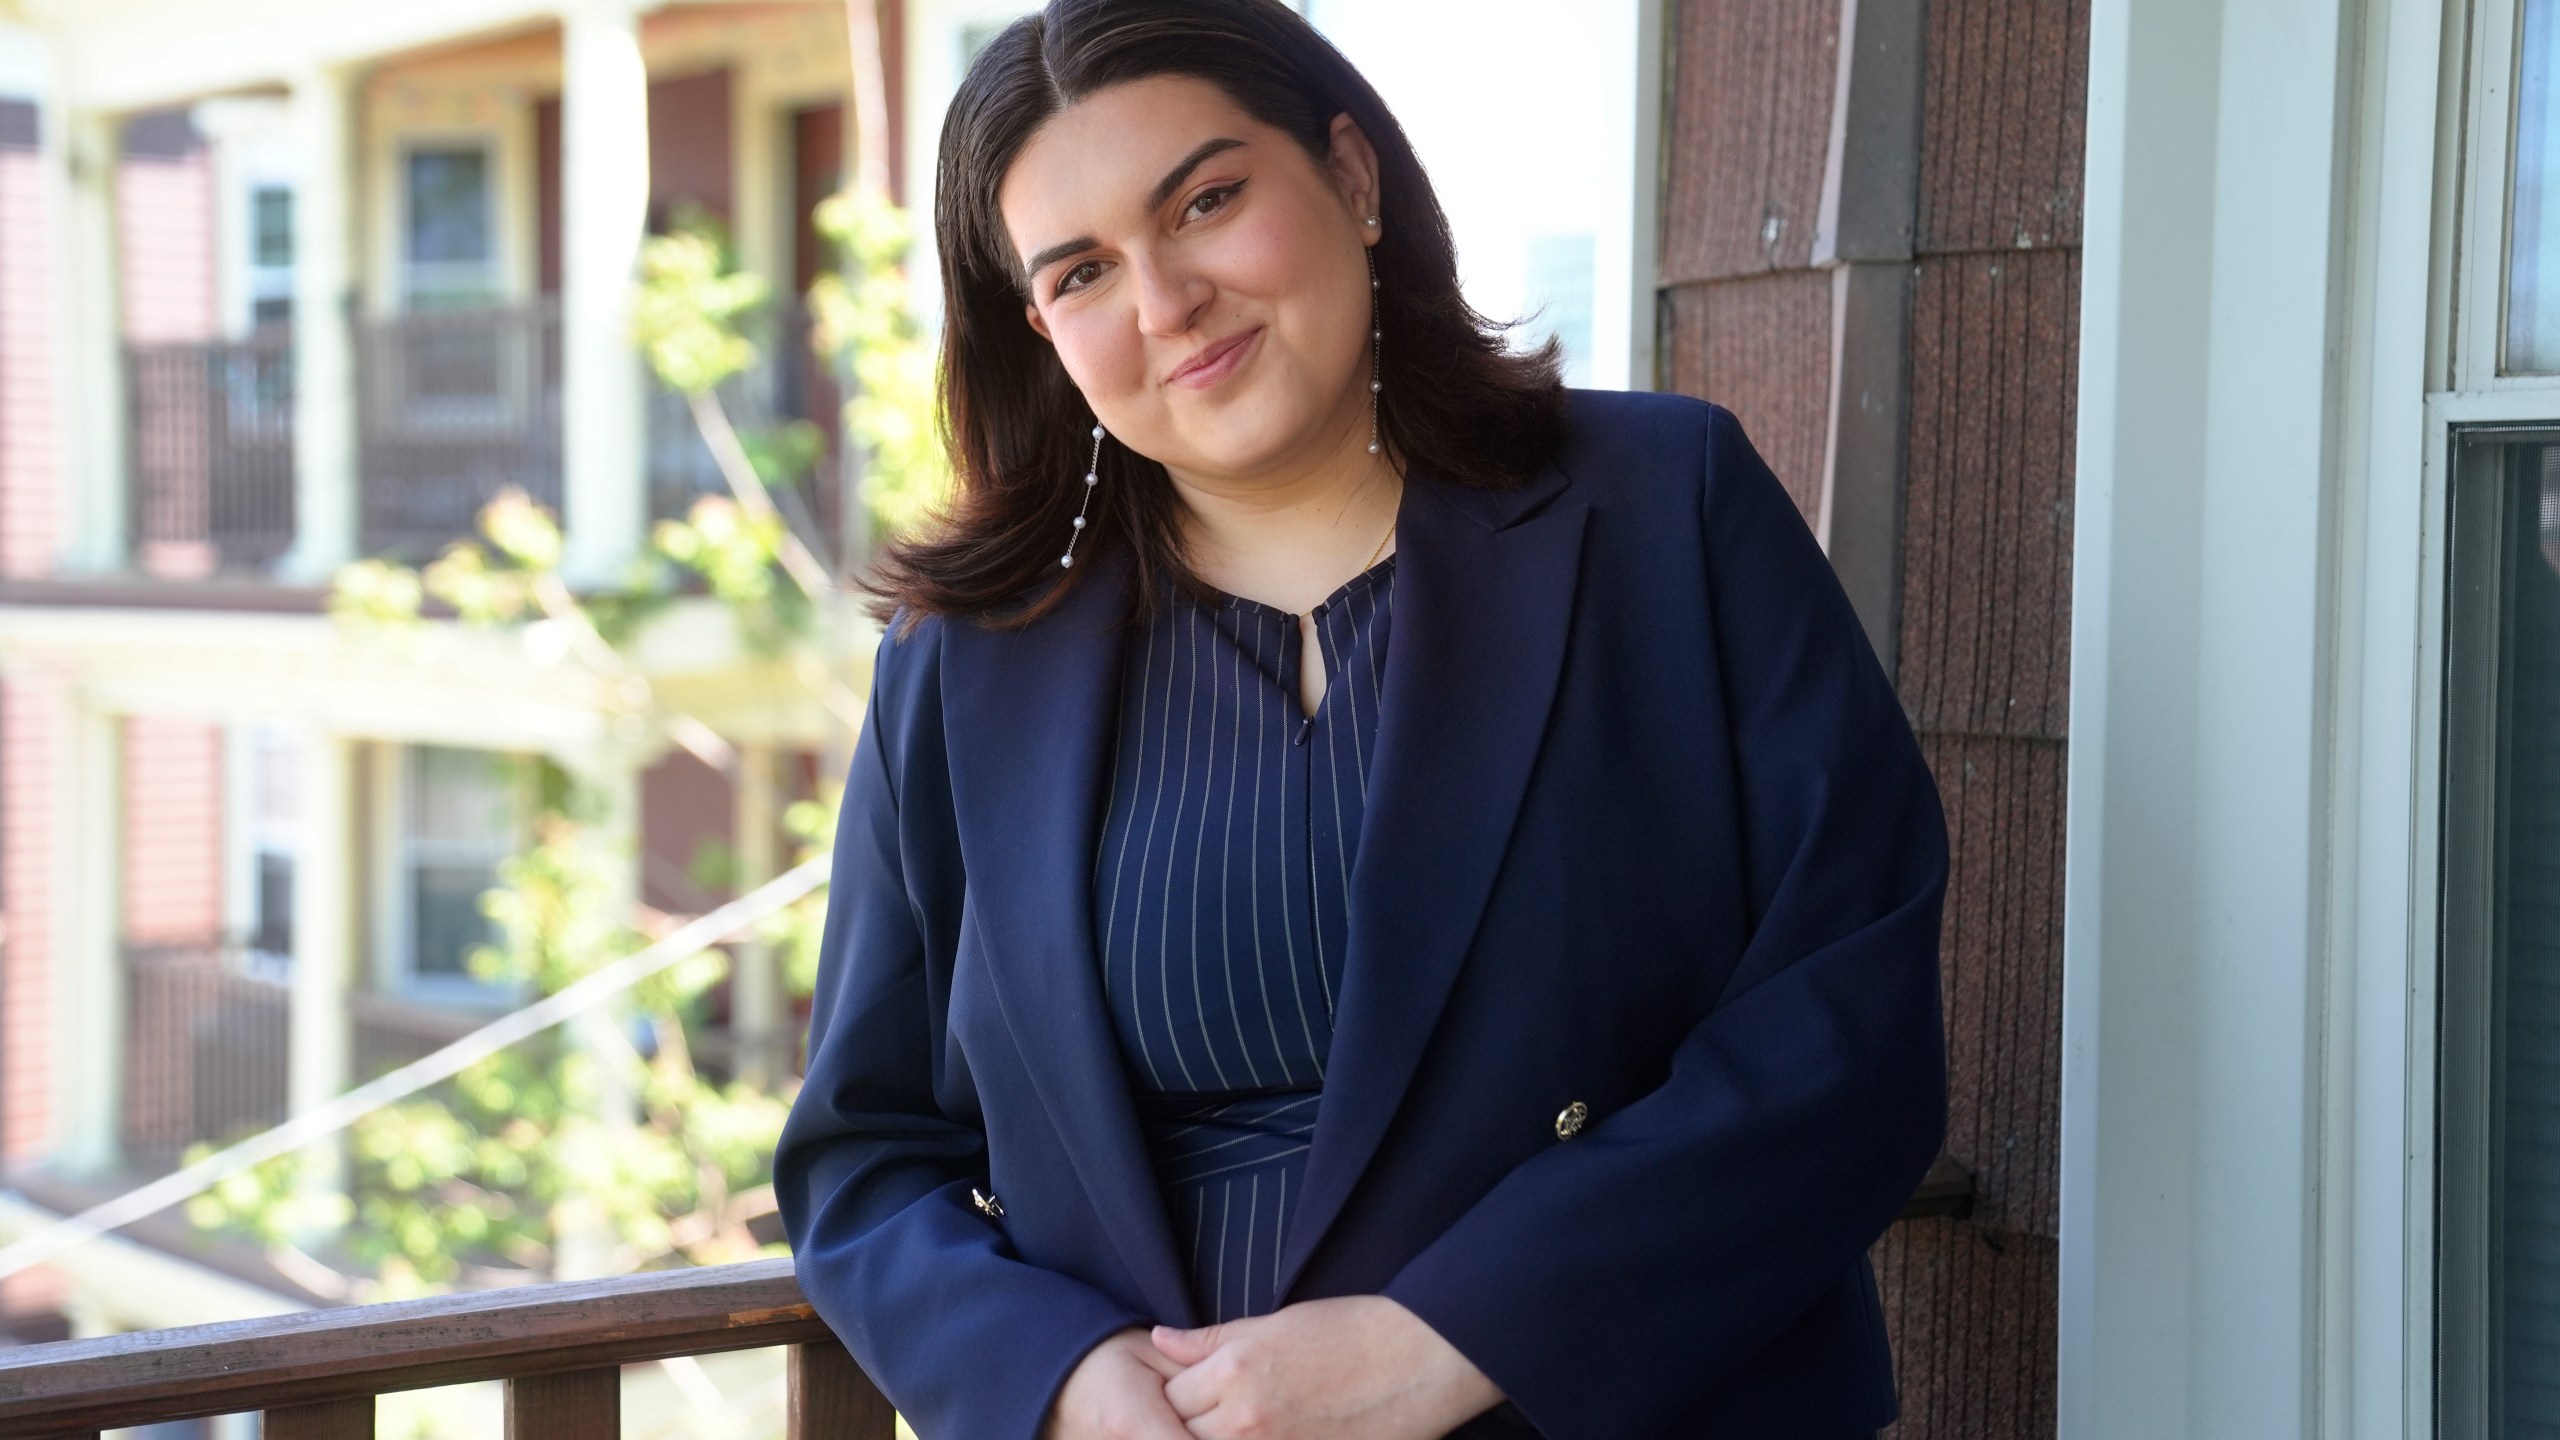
(1210, 202)
(1070, 281)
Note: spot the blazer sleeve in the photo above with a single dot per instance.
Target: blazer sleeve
(874, 1169)
(1612, 1282)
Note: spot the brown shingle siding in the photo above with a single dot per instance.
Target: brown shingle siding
(1970, 1309)
(1761, 348)
(1986, 607)
(2002, 969)
(2004, 122)
(1984, 525)
(1748, 130)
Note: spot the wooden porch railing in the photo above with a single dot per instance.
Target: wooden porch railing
(559, 1348)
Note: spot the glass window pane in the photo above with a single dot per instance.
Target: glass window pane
(273, 931)
(450, 921)
(461, 825)
(2533, 217)
(2500, 1043)
(271, 226)
(462, 800)
(448, 207)
(2526, 1003)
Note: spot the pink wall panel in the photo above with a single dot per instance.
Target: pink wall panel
(31, 518)
(28, 751)
(172, 832)
(165, 218)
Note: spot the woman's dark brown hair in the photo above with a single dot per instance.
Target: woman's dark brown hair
(1455, 398)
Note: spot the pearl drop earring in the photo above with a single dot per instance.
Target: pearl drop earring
(1092, 477)
(1375, 352)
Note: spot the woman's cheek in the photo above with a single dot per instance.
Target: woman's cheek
(1100, 355)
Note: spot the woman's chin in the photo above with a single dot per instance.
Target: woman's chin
(1245, 440)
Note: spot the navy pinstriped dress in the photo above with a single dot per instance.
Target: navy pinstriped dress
(1219, 891)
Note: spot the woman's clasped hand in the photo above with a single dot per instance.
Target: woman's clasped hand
(1358, 1365)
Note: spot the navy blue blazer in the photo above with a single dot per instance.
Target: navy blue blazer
(1647, 833)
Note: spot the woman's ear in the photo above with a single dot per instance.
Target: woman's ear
(1354, 165)
(1039, 327)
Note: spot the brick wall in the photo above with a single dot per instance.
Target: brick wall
(31, 528)
(1983, 620)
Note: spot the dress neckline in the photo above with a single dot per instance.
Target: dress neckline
(1341, 592)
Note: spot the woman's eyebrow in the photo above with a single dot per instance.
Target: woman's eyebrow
(1165, 187)
(1059, 251)
(1174, 177)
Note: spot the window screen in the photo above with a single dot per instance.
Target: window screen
(2499, 1340)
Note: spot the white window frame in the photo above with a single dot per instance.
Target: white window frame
(2247, 1166)
(395, 918)
(253, 150)
(2467, 391)
(493, 286)
(502, 124)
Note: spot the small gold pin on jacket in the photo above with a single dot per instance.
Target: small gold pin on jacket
(988, 1205)
(1569, 1121)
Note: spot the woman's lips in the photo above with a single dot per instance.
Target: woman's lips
(1216, 363)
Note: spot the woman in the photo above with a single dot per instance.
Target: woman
(1376, 896)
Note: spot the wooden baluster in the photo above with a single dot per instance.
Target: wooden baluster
(831, 1399)
(321, 1420)
(575, 1405)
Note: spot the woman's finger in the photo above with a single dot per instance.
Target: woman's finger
(1165, 1366)
(1188, 1347)
(1192, 1394)
(1154, 1417)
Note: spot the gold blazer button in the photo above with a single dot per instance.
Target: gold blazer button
(1569, 1121)
(988, 1205)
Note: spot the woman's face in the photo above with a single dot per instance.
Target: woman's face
(1201, 276)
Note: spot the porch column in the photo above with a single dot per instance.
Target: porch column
(325, 495)
(611, 775)
(320, 1050)
(604, 168)
(756, 1008)
(96, 477)
(87, 1027)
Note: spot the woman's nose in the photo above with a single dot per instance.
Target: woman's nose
(1169, 297)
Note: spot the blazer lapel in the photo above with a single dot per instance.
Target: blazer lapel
(1485, 582)
(1484, 591)
(1030, 717)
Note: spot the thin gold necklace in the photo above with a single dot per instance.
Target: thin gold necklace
(1382, 545)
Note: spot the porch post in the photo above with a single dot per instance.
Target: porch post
(325, 495)
(611, 773)
(97, 490)
(320, 1049)
(755, 986)
(88, 967)
(604, 164)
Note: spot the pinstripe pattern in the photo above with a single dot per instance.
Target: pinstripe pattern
(1220, 886)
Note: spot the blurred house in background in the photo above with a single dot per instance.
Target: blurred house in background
(287, 284)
